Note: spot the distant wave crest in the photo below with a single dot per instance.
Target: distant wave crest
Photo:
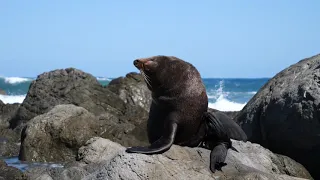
(16, 80)
(103, 79)
(221, 103)
(10, 99)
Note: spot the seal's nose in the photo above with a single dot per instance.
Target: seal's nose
(136, 63)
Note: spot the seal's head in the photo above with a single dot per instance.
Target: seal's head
(169, 75)
(152, 68)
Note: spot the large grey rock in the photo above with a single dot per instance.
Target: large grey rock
(10, 173)
(7, 112)
(8, 138)
(8, 148)
(120, 119)
(104, 159)
(284, 115)
(67, 86)
(132, 89)
(56, 136)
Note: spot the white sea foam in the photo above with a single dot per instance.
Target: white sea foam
(10, 99)
(223, 104)
(103, 79)
(15, 80)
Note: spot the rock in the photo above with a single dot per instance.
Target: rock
(9, 135)
(120, 119)
(8, 138)
(132, 89)
(8, 148)
(67, 86)
(284, 115)
(10, 173)
(7, 112)
(104, 159)
(58, 134)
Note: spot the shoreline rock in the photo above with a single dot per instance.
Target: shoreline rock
(284, 114)
(10, 173)
(66, 86)
(103, 159)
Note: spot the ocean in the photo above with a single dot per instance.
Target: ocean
(225, 94)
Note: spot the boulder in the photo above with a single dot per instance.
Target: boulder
(284, 115)
(132, 89)
(10, 173)
(58, 134)
(7, 112)
(120, 119)
(8, 148)
(9, 135)
(103, 159)
(67, 86)
(8, 138)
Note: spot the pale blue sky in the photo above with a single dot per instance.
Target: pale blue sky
(221, 38)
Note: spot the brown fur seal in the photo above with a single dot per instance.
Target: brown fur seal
(178, 113)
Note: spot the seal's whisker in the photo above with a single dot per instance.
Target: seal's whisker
(146, 78)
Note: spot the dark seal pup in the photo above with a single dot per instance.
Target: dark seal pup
(178, 113)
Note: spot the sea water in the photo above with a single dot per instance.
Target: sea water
(225, 94)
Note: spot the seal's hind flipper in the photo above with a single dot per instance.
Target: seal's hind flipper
(231, 127)
(217, 157)
(215, 129)
(161, 145)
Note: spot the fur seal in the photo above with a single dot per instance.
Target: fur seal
(178, 112)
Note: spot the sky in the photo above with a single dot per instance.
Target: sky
(228, 39)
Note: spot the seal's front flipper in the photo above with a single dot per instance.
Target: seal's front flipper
(217, 157)
(161, 145)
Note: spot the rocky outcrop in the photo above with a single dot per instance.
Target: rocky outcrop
(8, 148)
(67, 86)
(10, 173)
(57, 135)
(284, 115)
(120, 108)
(104, 159)
(8, 138)
(132, 89)
(7, 112)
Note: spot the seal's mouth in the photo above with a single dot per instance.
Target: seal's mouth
(137, 63)
(142, 65)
